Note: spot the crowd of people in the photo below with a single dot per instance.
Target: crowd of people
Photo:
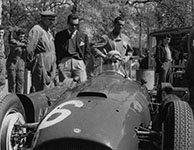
(63, 58)
(56, 59)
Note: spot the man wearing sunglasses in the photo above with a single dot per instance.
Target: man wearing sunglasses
(72, 51)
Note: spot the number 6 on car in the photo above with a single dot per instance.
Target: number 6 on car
(64, 113)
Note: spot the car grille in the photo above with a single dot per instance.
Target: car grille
(72, 144)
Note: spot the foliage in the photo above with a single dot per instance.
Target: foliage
(14, 13)
(173, 14)
(142, 16)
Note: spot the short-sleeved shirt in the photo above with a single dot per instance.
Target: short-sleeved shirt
(120, 43)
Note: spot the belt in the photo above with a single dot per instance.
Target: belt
(168, 60)
(72, 58)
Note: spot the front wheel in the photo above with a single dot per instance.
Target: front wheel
(12, 116)
(178, 127)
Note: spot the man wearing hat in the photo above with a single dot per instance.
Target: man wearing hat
(41, 53)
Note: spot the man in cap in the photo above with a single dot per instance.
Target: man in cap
(41, 53)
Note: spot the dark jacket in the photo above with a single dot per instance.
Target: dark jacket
(62, 42)
(17, 48)
(160, 57)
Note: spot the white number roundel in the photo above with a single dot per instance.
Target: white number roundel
(63, 113)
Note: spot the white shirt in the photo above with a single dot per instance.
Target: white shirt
(168, 53)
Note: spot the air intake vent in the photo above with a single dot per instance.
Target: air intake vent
(95, 94)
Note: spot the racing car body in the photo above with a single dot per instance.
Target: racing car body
(107, 109)
(108, 112)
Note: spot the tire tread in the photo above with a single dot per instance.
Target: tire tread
(183, 126)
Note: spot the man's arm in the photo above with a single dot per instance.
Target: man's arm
(53, 71)
(87, 55)
(98, 48)
(58, 48)
(15, 42)
(33, 39)
(158, 56)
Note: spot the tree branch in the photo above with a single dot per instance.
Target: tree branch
(141, 2)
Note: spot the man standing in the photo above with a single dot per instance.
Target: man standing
(2, 57)
(16, 62)
(41, 53)
(163, 60)
(114, 40)
(72, 51)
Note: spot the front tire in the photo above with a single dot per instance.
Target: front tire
(12, 116)
(177, 128)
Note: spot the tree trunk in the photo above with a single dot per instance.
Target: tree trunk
(0, 11)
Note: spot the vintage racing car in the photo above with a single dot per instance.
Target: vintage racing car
(108, 112)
